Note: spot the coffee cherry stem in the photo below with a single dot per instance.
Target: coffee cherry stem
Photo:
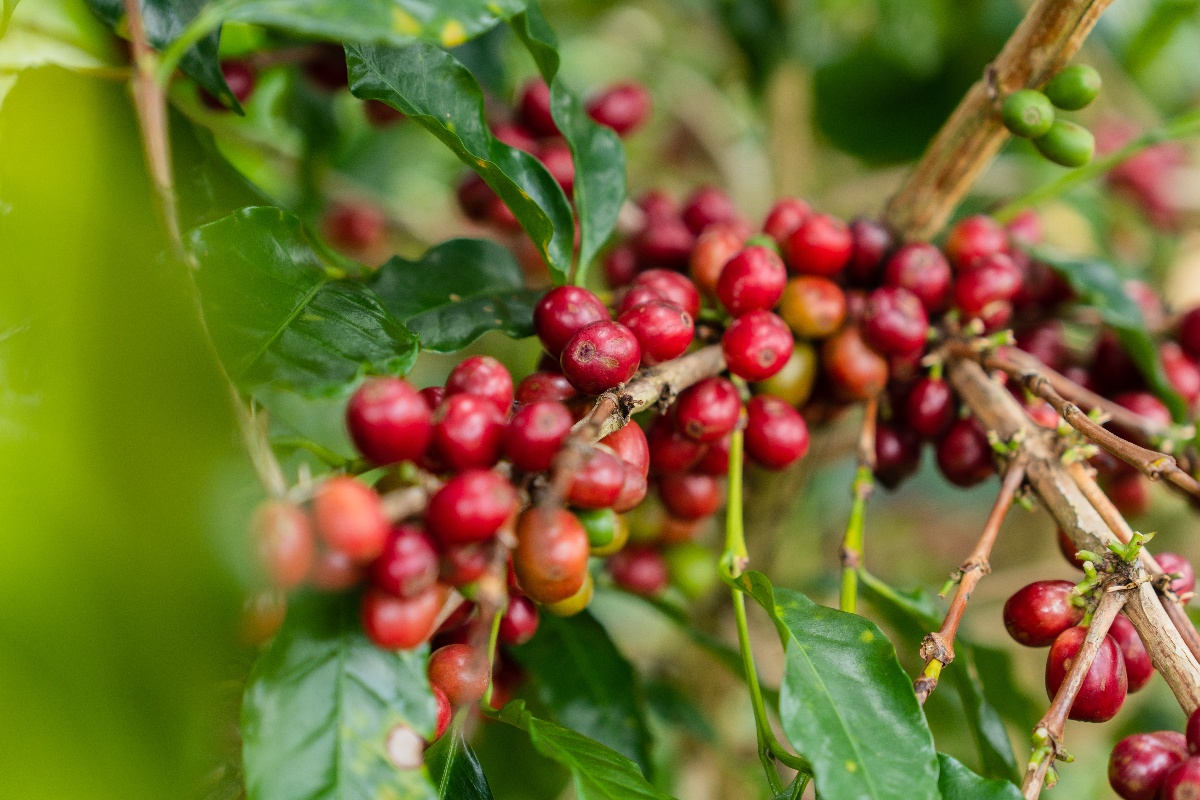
(493, 639)
(860, 490)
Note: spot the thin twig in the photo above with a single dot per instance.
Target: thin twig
(861, 490)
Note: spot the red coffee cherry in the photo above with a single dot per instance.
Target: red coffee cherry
(776, 435)
(1183, 781)
(757, 345)
(753, 279)
(707, 205)
(672, 287)
(622, 107)
(240, 77)
(670, 449)
(598, 482)
(545, 386)
(1193, 732)
(981, 290)
(1138, 666)
(1105, 685)
(708, 409)
(514, 135)
(1189, 332)
(620, 266)
(715, 460)
(550, 559)
(964, 455)
(1182, 372)
(333, 571)
(821, 245)
(785, 217)
(327, 67)
(533, 109)
(812, 306)
(664, 242)
(433, 397)
(408, 565)
(601, 356)
(714, 247)
(633, 491)
(656, 203)
(1068, 549)
(636, 296)
(1130, 493)
(1175, 564)
(663, 330)
(389, 421)
(562, 313)
(894, 321)
(923, 270)
(1025, 229)
(1139, 764)
(285, 543)
(929, 408)
(872, 241)
(897, 455)
(1039, 612)
(471, 507)
(536, 433)
(468, 431)
(689, 496)
(557, 158)
(460, 671)
(463, 564)
(400, 623)
(974, 239)
(355, 226)
(640, 570)
(1145, 405)
(474, 197)
(630, 445)
(520, 621)
(1113, 370)
(482, 376)
(1046, 342)
(350, 518)
(445, 713)
(855, 371)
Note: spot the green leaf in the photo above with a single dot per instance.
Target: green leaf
(596, 150)
(455, 769)
(956, 782)
(761, 30)
(324, 705)
(1097, 284)
(436, 91)
(846, 704)
(6, 10)
(456, 292)
(54, 33)
(587, 684)
(279, 313)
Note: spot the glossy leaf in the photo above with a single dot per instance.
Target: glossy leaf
(455, 769)
(456, 292)
(323, 705)
(1098, 285)
(279, 312)
(956, 782)
(434, 90)
(845, 704)
(596, 150)
(582, 678)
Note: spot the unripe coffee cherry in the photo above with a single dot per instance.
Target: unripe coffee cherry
(708, 409)
(1183, 781)
(607, 531)
(536, 433)
(408, 564)
(776, 435)
(707, 205)
(1074, 87)
(285, 543)
(751, 280)
(533, 109)
(713, 249)
(471, 507)
(262, 615)
(923, 270)
(855, 371)
(622, 107)
(690, 496)
(821, 245)
(794, 383)
(1138, 667)
(894, 321)
(897, 455)
(756, 345)
(872, 242)
(672, 287)
(929, 408)
(640, 570)
(483, 376)
(550, 559)
(630, 445)
(964, 455)
(812, 306)
(389, 421)
(601, 356)
(1039, 612)
(576, 602)
(400, 623)
(1175, 564)
(468, 431)
(520, 621)
(562, 313)
(350, 518)
(1067, 144)
(598, 481)
(1139, 763)
(671, 450)
(663, 330)
(460, 671)
(1105, 685)
(974, 238)
(785, 217)
(1027, 113)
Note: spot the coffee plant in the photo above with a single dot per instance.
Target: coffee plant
(527, 459)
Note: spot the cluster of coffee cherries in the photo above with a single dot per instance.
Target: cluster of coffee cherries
(1030, 114)
(1163, 765)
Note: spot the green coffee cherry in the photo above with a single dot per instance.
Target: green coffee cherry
(606, 530)
(693, 568)
(1067, 143)
(1074, 87)
(1027, 113)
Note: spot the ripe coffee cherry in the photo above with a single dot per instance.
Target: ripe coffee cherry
(327, 67)
(633, 491)
(601, 356)
(923, 270)
(285, 543)
(929, 408)
(445, 713)
(716, 458)
(708, 410)
(1145, 405)
(855, 371)
(475, 198)
(550, 559)
(1038, 613)
(533, 109)
(714, 247)
(1139, 763)
(794, 383)
(757, 345)
(389, 421)
(690, 496)
(607, 531)
(1182, 372)
(672, 287)
(872, 241)
(1189, 332)
(545, 386)
(1175, 564)
(483, 376)
(1073, 87)
(471, 507)
(464, 564)
(1183, 781)
(894, 321)
(433, 397)
(1193, 732)
(992, 280)
(1138, 667)
(1027, 113)
(821, 245)
(355, 226)
(671, 450)
(640, 570)
(408, 564)
(400, 623)
(812, 306)
(751, 280)
(663, 330)
(333, 571)
(536, 433)
(1105, 685)
(562, 313)
(1067, 144)
(1130, 493)
(1068, 549)
(636, 296)
(350, 518)
(598, 482)
(1045, 341)
(239, 77)
(622, 107)
(520, 621)
(964, 455)
(897, 455)
(776, 435)
(706, 206)
(620, 266)
(468, 431)
(460, 671)
(785, 217)
(557, 159)
(664, 242)
(629, 443)
(514, 135)
(974, 239)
